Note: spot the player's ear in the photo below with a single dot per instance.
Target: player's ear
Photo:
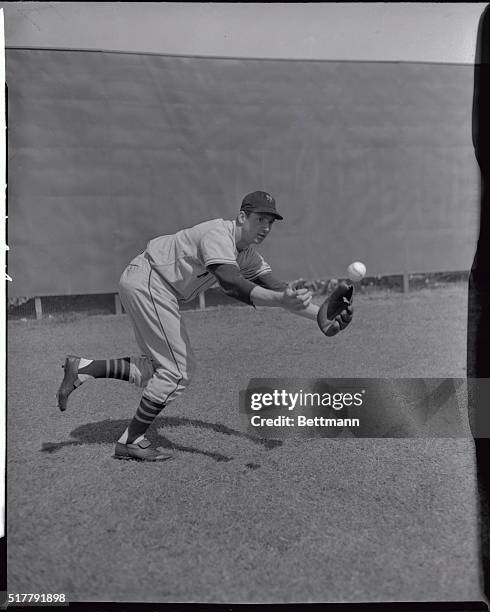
(241, 217)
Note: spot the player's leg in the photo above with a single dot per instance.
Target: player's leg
(167, 343)
(134, 369)
(160, 332)
(103, 368)
(79, 370)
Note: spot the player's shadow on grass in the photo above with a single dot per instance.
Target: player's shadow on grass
(108, 431)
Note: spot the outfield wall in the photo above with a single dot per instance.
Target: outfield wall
(369, 161)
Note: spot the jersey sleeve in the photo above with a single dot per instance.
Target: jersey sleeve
(253, 265)
(217, 247)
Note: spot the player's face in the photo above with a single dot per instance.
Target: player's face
(256, 227)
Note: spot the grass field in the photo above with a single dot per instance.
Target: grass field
(231, 518)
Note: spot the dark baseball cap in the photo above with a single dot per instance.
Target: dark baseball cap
(260, 202)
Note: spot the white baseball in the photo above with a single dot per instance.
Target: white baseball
(356, 271)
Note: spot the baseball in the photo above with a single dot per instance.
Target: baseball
(356, 271)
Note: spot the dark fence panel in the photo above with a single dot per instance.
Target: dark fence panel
(367, 161)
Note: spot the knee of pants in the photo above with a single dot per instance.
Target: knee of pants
(165, 386)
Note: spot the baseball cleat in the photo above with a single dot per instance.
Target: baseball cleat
(141, 451)
(70, 381)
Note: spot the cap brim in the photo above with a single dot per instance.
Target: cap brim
(269, 212)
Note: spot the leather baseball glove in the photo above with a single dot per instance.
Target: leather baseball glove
(337, 311)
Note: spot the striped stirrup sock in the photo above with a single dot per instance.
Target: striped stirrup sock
(104, 368)
(145, 415)
(148, 411)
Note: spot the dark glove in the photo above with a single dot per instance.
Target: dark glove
(337, 311)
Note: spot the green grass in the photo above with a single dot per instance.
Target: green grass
(231, 518)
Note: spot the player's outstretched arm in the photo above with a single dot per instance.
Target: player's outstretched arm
(297, 301)
(232, 282)
(269, 281)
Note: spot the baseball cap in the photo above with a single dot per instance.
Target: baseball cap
(260, 202)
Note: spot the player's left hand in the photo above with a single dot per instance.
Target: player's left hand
(337, 311)
(304, 296)
(296, 299)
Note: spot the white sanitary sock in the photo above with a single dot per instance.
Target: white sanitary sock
(124, 438)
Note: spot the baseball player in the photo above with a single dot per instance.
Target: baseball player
(174, 269)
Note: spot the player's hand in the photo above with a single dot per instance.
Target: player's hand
(296, 299)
